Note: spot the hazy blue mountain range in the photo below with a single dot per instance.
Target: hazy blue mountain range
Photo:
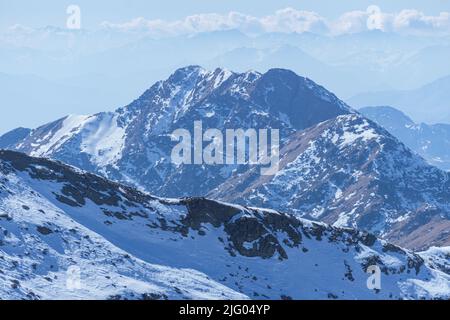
(58, 68)
(44, 98)
(293, 58)
(430, 141)
(429, 103)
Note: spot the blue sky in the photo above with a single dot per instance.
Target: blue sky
(55, 63)
(51, 12)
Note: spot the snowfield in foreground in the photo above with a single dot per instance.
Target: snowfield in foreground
(40, 246)
(67, 234)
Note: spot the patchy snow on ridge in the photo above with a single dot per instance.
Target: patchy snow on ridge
(130, 245)
(48, 254)
(363, 131)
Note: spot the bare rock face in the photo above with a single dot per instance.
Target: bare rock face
(254, 228)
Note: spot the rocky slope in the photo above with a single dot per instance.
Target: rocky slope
(128, 244)
(351, 172)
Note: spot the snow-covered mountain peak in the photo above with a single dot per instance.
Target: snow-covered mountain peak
(133, 143)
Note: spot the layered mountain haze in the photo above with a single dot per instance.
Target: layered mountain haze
(54, 217)
(336, 165)
(428, 103)
(430, 141)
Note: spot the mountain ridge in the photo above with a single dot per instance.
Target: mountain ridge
(184, 248)
(349, 171)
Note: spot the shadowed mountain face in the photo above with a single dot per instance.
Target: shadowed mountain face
(134, 143)
(62, 218)
(430, 141)
(351, 172)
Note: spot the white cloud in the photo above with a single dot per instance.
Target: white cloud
(291, 20)
(288, 20)
(350, 22)
(359, 21)
(190, 25)
(414, 21)
(285, 20)
(408, 21)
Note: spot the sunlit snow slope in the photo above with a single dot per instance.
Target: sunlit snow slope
(131, 245)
